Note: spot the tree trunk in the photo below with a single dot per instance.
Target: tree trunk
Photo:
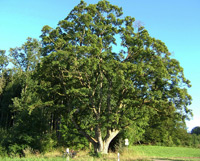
(102, 145)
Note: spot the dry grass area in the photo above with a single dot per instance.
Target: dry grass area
(126, 155)
(55, 153)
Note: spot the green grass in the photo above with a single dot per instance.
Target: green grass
(34, 159)
(133, 153)
(167, 152)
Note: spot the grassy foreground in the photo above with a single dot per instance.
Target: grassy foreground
(140, 153)
(173, 153)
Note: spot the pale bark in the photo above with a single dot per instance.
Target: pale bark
(100, 145)
(103, 144)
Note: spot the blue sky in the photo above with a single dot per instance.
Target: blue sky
(175, 22)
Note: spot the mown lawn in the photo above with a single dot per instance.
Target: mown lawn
(167, 152)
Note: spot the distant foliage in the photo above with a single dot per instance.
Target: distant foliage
(196, 130)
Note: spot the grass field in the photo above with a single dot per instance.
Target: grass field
(176, 153)
(33, 159)
(141, 153)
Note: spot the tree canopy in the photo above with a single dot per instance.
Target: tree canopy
(103, 91)
(92, 78)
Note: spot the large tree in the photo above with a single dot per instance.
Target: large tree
(100, 90)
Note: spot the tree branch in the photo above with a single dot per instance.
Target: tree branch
(81, 131)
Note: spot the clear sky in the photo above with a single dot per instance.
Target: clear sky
(175, 22)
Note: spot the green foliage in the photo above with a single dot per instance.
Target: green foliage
(104, 90)
(83, 87)
(133, 133)
(196, 130)
(3, 152)
(11, 90)
(166, 130)
(3, 64)
(3, 60)
(3, 135)
(194, 141)
(71, 137)
(27, 56)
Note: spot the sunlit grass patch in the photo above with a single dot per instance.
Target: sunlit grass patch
(167, 152)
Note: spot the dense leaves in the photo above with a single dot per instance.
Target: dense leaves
(196, 130)
(101, 88)
(3, 64)
(75, 84)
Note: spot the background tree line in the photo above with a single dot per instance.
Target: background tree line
(72, 89)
